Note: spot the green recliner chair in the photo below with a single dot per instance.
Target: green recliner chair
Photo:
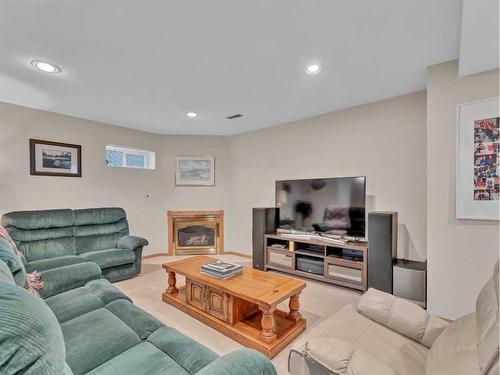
(54, 238)
(88, 326)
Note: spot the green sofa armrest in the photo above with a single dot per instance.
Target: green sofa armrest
(131, 242)
(62, 279)
(136, 244)
(241, 362)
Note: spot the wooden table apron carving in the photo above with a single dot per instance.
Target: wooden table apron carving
(243, 308)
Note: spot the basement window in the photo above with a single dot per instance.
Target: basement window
(128, 157)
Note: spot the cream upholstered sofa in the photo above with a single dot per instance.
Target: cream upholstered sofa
(386, 335)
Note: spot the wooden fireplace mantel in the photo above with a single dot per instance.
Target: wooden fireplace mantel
(172, 215)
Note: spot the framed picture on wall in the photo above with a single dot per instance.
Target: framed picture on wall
(55, 159)
(195, 171)
(478, 158)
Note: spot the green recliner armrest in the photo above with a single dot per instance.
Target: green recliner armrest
(136, 244)
(131, 242)
(241, 362)
(62, 279)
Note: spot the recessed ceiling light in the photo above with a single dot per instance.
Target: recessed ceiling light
(313, 69)
(191, 114)
(45, 67)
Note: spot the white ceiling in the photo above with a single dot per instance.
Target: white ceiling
(144, 64)
(479, 37)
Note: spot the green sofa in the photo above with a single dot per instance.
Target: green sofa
(54, 238)
(91, 327)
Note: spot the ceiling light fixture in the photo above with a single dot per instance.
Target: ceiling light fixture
(313, 69)
(45, 66)
(191, 114)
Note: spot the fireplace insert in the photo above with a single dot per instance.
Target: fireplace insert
(196, 236)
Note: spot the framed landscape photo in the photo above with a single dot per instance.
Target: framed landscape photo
(195, 171)
(55, 159)
(478, 157)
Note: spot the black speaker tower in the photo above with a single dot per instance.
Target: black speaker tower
(264, 221)
(382, 249)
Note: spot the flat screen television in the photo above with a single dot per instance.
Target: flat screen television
(327, 205)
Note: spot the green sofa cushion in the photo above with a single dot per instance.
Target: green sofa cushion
(31, 341)
(144, 358)
(241, 362)
(73, 303)
(188, 353)
(31, 235)
(99, 228)
(102, 215)
(105, 291)
(140, 321)
(120, 227)
(49, 263)
(48, 248)
(42, 234)
(109, 257)
(39, 219)
(86, 243)
(94, 338)
(61, 279)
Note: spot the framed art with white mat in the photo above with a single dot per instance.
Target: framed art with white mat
(195, 171)
(477, 180)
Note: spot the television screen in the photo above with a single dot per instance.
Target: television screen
(329, 205)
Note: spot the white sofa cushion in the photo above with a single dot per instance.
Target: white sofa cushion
(345, 358)
(401, 316)
(363, 339)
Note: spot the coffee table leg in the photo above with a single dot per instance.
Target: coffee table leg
(172, 289)
(267, 334)
(294, 306)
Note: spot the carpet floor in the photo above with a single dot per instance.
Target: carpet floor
(317, 301)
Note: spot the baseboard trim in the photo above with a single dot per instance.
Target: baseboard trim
(237, 253)
(154, 255)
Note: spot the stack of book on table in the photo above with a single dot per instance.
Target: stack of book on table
(221, 270)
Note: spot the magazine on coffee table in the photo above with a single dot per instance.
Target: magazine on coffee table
(221, 270)
(221, 276)
(221, 266)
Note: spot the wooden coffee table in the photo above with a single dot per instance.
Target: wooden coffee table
(243, 307)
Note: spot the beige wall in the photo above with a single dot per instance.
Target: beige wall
(101, 185)
(461, 253)
(384, 141)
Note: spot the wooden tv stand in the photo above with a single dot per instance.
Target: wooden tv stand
(331, 262)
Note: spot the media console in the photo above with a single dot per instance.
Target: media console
(343, 264)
